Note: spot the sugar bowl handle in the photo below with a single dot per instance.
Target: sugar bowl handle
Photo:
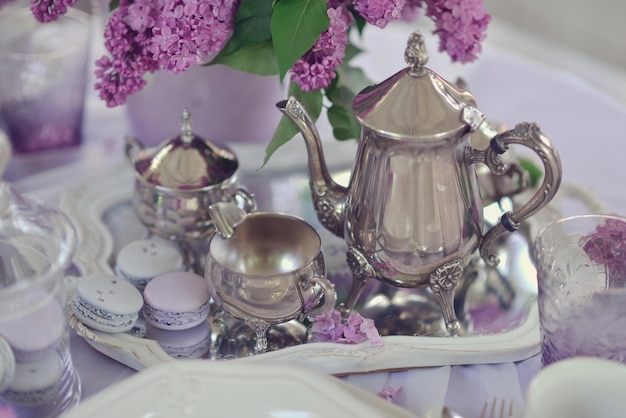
(529, 135)
(244, 199)
(132, 148)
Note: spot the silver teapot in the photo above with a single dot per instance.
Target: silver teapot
(412, 214)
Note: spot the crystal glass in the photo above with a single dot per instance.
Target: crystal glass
(270, 271)
(581, 267)
(37, 378)
(44, 78)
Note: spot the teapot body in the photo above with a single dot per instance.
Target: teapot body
(412, 206)
(412, 214)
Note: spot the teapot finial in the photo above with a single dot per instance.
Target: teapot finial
(415, 54)
(185, 127)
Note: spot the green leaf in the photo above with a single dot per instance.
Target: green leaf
(345, 126)
(296, 25)
(252, 8)
(341, 92)
(352, 78)
(351, 52)
(256, 59)
(114, 4)
(248, 32)
(358, 19)
(312, 102)
(533, 170)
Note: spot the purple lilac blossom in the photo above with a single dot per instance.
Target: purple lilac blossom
(48, 10)
(123, 74)
(145, 36)
(389, 393)
(607, 246)
(329, 327)
(412, 10)
(460, 25)
(379, 12)
(316, 68)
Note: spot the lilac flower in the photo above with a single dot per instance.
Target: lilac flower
(460, 25)
(329, 327)
(316, 68)
(606, 245)
(123, 74)
(379, 12)
(6, 410)
(139, 16)
(145, 36)
(49, 10)
(389, 393)
(411, 10)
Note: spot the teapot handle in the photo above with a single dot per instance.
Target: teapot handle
(330, 298)
(529, 135)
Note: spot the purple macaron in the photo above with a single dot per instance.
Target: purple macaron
(176, 300)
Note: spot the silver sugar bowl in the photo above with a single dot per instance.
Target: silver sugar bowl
(177, 181)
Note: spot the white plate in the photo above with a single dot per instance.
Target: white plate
(199, 388)
(88, 207)
(579, 387)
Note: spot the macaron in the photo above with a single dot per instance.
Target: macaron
(141, 260)
(188, 343)
(36, 326)
(176, 300)
(107, 303)
(7, 365)
(35, 382)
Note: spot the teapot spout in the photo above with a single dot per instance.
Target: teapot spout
(329, 198)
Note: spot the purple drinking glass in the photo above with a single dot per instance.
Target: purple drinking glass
(581, 266)
(44, 78)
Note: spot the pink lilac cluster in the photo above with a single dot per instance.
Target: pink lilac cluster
(460, 25)
(329, 327)
(143, 36)
(316, 68)
(380, 12)
(49, 10)
(389, 393)
(607, 245)
(7, 411)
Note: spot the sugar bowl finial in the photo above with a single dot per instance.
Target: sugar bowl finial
(415, 54)
(186, 132)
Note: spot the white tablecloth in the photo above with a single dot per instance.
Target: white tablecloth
(516, 79)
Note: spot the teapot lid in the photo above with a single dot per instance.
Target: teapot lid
(416, 102)
(186, 162)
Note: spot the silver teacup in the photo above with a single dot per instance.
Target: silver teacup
(267, 268)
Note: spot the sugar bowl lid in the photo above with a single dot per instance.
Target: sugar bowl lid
(416, 102)
(185, 162)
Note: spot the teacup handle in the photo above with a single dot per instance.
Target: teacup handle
(330, 297)
(529, 135)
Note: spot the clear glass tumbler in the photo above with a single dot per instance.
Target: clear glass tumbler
(44, 78)
(37, 378)
(581, 273)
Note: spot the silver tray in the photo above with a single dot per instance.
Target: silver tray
(500, 303)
